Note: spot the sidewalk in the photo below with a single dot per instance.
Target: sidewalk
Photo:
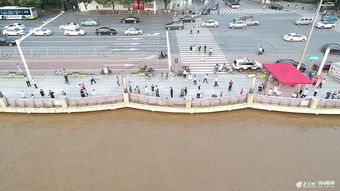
(107, 85)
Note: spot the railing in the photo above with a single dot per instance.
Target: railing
(162, 101)
(218, 101)
(98, 100)
(280, 100)
(35, 103)
(324, 103)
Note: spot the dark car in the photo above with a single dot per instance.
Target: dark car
(333, 51)
(7, 41)
(292, 62)
(187, 19)
(130, 20)
(206, 11)
(276, 6)
(175, 25)
(327, 65)
(214, 6)
(105, 31)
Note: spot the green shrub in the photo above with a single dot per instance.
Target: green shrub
(19, 74)
(83, 73)
(134, 72)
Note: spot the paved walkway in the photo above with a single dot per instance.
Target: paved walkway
(106, 85)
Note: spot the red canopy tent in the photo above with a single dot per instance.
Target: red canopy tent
(287, 74)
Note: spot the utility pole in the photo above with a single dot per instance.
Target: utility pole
(310, 35)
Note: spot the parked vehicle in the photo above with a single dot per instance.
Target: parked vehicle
(251, 22)
(294, 37)
(327, 4)
(210, 23)
(238, 24)
(245, 64)
(292, 62)
(304, 21)
(105, 31)
(69, 26)
(329, 17)
(89, 22)
(130, 19)
(206, 11)
(7, 41)
(243, 17)
(76, 32)
(195, 14)
(317, 65)
(214, 6)
(13, 32)
(276, 6)
(133, 31)
(15, 26)
(187, 19)
(332, 51)
(41, 32)
(234, 4)
(175, 25)
(325, 25)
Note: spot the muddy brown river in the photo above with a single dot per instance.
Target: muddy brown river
(132, 150)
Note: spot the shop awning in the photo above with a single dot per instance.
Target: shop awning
(286, 74)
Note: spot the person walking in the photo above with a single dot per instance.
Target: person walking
(153, 89)
(259, 90)
(190, 48)
(82, 93)
(230, 85)
(171, 92)
(130, 88)
(22, 94)
(205, 48)
(216, 84)
(157, 91)
(63, 93)
(210, 51)
(199, 49)
(117, 78)
(51, 94)
(198, 30)
(146, 90)
(33, 82)
(138, 90)
(199, 85)
(205, 78)
(195, 80)
(94, 93)
(190, 30)
(19, 68)
(185, 91)
(27, 82)
(92, 79)
(316, 91)
(305, 93)
(66, 79)
(32, 96)
(321, 83)
(42, 93)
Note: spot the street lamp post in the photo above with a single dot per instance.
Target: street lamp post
(325, 57)
(18, 42)
(310, 34)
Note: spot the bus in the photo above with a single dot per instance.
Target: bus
(14, 12)
(234, 4)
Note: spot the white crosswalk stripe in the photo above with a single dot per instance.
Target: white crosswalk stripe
(198, 61)
(228, 10)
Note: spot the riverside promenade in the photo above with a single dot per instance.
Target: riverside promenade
(110, 95)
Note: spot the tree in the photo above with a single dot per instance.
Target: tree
(166, 3)
(86, 2)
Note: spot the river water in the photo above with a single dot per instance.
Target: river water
(129, 150)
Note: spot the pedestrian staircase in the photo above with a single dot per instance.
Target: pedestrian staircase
(198, 61)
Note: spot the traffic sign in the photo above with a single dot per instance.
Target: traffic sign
(311, 58)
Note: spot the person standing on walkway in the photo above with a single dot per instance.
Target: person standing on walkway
(19, 68)
(190, 48)
(205, 48)
(63, 93)
(117, 78)
(171, 92)
(198, 30)
(33, 82)
(305, 93)
(195, 80)
(66, 79)
(27, 82)
(199, 48)
(321, 83)
(42, 93)
(230, 85)
(92, 79)
(138, 90)
(216, 84)
(130, 88)
(82, 93)
(146, 90)
(199, 85)
(185, 91)
(22, 94)
(205, 78)
(94, 93)
(316, 91)
(210, 51)
(190, 30)
(51, 94)
(157, 91)
(153, 89)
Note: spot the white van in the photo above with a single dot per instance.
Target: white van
(304, 21)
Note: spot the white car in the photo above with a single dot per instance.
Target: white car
(294, 37)
(15, 26)
(13, 32)
(133, 31)
(210, 23)
(69, 26)
(246, 63)
(238, 24)
(76, 32)
(41, 32)
(325, 25)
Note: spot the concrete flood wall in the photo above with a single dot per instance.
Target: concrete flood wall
(170, 105)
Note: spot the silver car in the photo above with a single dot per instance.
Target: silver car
(89, 22)
(251, 21)
(13, 32)
(210, 23)
(133, 31)
(41, 32)
(238, 24)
